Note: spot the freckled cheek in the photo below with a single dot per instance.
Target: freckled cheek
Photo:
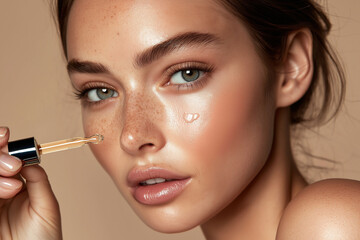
(105, 122)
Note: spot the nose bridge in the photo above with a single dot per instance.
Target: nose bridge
(140, 132)
(140, 110)
(135, 109)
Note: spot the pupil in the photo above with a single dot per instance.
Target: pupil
(189, 72)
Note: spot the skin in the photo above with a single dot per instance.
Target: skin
(236, 151)
(231, 141)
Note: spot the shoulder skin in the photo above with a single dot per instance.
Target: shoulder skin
(326, 210)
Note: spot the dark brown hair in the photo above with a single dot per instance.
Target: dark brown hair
(270, 22)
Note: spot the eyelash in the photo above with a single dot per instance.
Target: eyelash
(81, 94)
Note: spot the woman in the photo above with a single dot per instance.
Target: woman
(196, 100)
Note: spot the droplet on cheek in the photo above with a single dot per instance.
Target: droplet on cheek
(191, 117)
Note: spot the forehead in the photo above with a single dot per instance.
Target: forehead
(139, 11)
(139, 23)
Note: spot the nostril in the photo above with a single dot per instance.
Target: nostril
(147, 146)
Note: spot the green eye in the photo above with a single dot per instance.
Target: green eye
(185, 76)
(190, 75)
(98, 94)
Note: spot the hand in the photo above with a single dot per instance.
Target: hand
(27, 210)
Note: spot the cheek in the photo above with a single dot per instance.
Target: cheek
(238, 119)
(104, 122)
(238, 138)
(229, 120)
(230, 141)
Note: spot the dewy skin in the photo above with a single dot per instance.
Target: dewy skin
(29, 151)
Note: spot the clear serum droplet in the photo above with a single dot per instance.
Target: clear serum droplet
(191, 117)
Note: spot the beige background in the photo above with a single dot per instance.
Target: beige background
(36, 100)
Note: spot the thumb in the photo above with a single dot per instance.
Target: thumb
(41, 196)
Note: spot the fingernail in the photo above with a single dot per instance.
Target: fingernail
(3, 131)
(10, 184)
(10, 163)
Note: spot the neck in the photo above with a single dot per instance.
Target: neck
(256, 212)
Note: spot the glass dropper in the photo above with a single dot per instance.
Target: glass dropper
(67, 144)
(29, 152)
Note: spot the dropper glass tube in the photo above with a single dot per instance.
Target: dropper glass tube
(30, 152)
(67, 144)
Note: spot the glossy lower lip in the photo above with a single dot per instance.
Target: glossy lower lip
(157, 193)
(160, 193)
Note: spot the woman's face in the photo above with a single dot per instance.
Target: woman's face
(180, 95)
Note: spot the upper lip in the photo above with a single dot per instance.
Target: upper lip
(138, 175)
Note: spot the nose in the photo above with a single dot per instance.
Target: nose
(141, 133)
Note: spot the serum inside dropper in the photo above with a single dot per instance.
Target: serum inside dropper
(67, 144)
(29, 152)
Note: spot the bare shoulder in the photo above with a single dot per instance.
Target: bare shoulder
(327, 210)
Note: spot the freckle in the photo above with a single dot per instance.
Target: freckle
(191, 117)
(118, 33)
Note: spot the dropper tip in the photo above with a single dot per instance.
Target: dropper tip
(98, 138)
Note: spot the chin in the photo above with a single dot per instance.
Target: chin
(166, 219)
(170, 226)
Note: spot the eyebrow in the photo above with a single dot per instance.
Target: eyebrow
(188, 39)
(75, 65)
(177, 42)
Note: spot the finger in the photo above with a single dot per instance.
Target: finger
(9, 165)
(9, 187)
(40, 193)
(4, 138)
